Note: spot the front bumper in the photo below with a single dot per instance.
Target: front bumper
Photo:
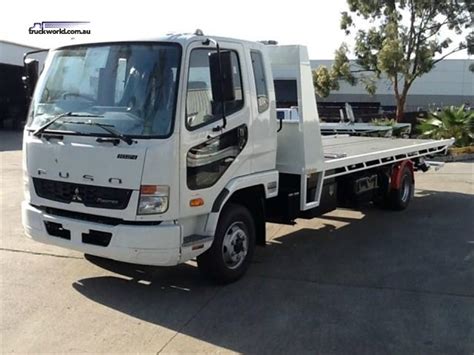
(140, 244)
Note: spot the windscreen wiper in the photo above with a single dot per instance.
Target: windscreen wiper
(105, 127)
(54, 119)
(41, 129)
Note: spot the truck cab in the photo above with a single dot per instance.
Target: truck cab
(198, 117)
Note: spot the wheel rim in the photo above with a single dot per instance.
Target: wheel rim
(235, 245)
(405, 189)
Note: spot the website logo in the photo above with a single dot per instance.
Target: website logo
(60, 28)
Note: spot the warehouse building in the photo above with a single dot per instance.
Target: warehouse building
(449, 83)
(13, 102)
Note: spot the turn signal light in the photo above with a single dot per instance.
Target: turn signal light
(148, 189)
(196, 202)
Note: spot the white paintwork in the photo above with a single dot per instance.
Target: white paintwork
(148, 245)
(77, 156)
(242, 164)
(297, 149)
(48, 159)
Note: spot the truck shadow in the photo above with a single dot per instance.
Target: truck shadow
(425, 250)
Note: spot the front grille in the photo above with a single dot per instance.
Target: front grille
(90, 196)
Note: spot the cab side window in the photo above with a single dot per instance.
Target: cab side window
(201, 107)
(260, 81)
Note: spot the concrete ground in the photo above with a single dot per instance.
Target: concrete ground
(366, 281)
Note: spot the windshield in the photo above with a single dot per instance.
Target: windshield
(130, 87)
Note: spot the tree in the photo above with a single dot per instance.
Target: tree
(404, 39)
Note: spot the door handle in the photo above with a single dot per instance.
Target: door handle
(217, 128)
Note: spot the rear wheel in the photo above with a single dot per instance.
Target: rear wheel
(400, 198)
(232, 250)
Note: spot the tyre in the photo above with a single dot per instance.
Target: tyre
(399, 199)
(232, 250)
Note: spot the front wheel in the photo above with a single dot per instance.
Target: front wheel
(232, 250)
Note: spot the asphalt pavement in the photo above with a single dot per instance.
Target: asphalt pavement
(358, 282)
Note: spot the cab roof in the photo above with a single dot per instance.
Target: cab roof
(181, 38)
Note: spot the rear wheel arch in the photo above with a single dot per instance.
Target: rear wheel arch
(397, 186)
(397, 173)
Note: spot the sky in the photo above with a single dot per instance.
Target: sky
(312, 23)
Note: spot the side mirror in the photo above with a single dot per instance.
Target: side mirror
(222, 78)
(31, 76)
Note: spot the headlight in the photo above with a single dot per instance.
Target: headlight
(153, 199)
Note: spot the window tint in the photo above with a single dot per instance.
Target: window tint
(201, 108)
(260, 82)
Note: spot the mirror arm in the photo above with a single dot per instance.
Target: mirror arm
(33, 52)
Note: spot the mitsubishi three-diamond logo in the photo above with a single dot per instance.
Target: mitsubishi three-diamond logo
(76, 197)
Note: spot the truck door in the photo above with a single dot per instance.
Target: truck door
(213, 150)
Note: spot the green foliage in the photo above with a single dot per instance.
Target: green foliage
(325, 79)
(384, 122)
(401, 43)
(451, 122)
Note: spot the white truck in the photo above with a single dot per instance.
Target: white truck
(160, 151)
